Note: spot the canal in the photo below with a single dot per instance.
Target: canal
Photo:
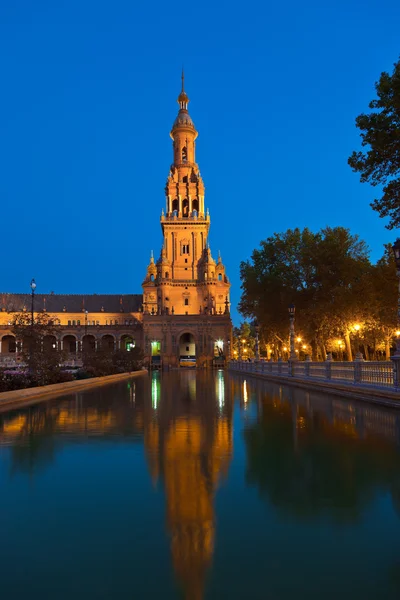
(199, 485)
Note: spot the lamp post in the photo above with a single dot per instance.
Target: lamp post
(86, 315)
(396, 356)
(33, 287)
(292, 310)
(257, 348)
(358, 356)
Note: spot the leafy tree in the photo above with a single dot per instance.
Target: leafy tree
(106, 362)
(380, 130)
(244, 338)
(125, 361)
(324, 274)
(43, 360)
(383, 300)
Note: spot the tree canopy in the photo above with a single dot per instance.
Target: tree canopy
(380, 131)
(329, 278)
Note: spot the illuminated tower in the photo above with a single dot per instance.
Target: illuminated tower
(186, 281)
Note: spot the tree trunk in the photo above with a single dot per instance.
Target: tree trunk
(348, 346)
(366, 352)
(323, 351)
(387, 348)
(314, 349)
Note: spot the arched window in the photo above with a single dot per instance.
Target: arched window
(184, 154)
(195, 204)
(185, 207)
(166, 274)
(186, 301)
(220, 277)
(152, 277)
(175, 204)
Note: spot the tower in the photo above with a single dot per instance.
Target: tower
(185, 280)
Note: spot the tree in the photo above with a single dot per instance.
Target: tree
(383, 300)
(324, 274)
(38, 352)
(380, 130)
(125, 361)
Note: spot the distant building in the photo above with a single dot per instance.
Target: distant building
(183, 317)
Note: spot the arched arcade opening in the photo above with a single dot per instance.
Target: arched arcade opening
(187, 350)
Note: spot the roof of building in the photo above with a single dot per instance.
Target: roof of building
(72, 303)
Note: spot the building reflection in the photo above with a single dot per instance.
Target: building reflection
(188, 439)
(308, 454)
(35, 434)
(311, 455)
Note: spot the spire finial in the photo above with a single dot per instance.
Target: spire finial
(183, 99)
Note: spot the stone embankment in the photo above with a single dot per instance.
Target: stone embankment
(19, 398)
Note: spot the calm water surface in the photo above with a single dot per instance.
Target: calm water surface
(199, 485)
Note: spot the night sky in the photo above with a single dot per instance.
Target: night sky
(88, 97)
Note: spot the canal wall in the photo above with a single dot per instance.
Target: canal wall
(374, 395)
(19, 398)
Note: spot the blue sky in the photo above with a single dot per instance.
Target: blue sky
(88, 97)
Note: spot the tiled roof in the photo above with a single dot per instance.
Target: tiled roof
(74, 303)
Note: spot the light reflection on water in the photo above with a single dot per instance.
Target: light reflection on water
(200, 485)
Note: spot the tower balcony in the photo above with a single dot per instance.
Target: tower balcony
(192, 218)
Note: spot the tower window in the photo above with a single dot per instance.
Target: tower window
(185, 249)
(185, 207)
(175, 204)
(220, 277)
(186, 301)
(184, 154)
(166, 274)
(195, 204)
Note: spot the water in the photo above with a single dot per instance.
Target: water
(199, 485)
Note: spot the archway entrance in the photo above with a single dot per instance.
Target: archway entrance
(187, 350)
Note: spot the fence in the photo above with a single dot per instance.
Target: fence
(374, 373)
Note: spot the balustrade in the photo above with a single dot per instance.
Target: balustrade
(371, 373)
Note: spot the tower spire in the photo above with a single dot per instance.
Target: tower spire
(183, 99)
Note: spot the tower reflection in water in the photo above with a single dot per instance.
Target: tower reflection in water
(188, 439)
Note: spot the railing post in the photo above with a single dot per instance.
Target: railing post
(328, 366)
(357, 367)
(291, 364)
(307, 365)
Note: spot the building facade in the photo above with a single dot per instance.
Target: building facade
(182, 318)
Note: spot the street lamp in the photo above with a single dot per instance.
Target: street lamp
(33, 288)
(292, 310)
(396, 356)
(86, 315)
(357, 328)
(257, 348)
